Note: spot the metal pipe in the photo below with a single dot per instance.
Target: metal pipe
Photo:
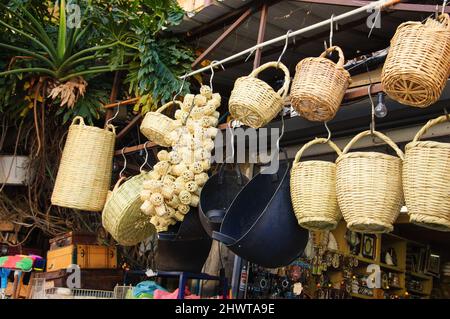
(373, 5)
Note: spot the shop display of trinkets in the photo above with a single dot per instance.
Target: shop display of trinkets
(292, 282)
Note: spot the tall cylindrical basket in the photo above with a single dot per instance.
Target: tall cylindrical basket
(426, 180)
(369, 187)
(313, 190)
(84, 174)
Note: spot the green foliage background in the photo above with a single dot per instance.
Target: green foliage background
(130, 36)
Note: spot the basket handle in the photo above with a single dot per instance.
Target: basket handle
(277, 65)
(78, 120)
(313, 142)
(445, 19)
(165, 106)
(381, 136)
(110, 127)
(426, 127)
(341, 61)
(119, 182)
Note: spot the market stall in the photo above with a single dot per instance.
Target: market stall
(319, 173)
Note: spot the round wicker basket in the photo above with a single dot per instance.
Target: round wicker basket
(426, 180)
(122, 216)
(369, 187)
(254, 102)
(157, 126)
(418, 64)
(313, 190)
(319, 86)
(84, 174)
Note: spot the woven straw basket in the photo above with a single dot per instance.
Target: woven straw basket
(313, 190)
(426, 180)
(253, 102)
(319, 86)
(369, 187)
(418, 64)
(84, 174)
(157, 126)
(122, 216)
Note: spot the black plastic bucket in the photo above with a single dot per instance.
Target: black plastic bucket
(260, 225)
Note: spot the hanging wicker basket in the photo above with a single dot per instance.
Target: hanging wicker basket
(426, 180)
(418, 64)
(157, 126)
(253, 102)
(369, 187)
(84, 174)
(319, 86)
(313, 190)
(122, 216)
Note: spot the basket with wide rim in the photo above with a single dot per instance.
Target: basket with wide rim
(418, 63)
(369, 186)
(122, 216)
(313, 190)
(84, 174)
(157, 126)
(426, 180)
(319, 86)
(254, 102)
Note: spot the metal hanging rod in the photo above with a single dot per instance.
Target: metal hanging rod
(373, 5)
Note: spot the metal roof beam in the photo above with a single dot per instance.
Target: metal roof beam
(412, 7)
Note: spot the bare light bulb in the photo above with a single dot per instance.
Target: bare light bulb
(381, 109)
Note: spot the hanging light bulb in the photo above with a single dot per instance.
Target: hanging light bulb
(381, 109)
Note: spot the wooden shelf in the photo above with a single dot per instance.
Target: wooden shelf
(391, 268)
(419, 275)
(395, 288)
(364, 259)
(417, 292)
(359, 296)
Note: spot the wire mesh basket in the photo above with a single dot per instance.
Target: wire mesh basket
(71, 293)
(123, 292)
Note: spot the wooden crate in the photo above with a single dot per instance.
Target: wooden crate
(85, 256)
(73, 238)
(98, 279)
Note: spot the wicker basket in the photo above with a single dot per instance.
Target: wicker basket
(157, 126)
(253, 102)
(84, 174)
(319, 86)
(122, 216)
(313, 190)
(426, 180)
(369, 187)
(418, 64)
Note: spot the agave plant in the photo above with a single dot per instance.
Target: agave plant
(62, 61)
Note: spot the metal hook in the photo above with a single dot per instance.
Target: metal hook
(444, 4)
(181, 88)
(115, 115)
(331, 29)
(249, 55)
(125, 163)
(146, 157)
(372, 125)
(328, 130)
(282, 132)
(230, 127)
(285, 47)
(212, 65)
